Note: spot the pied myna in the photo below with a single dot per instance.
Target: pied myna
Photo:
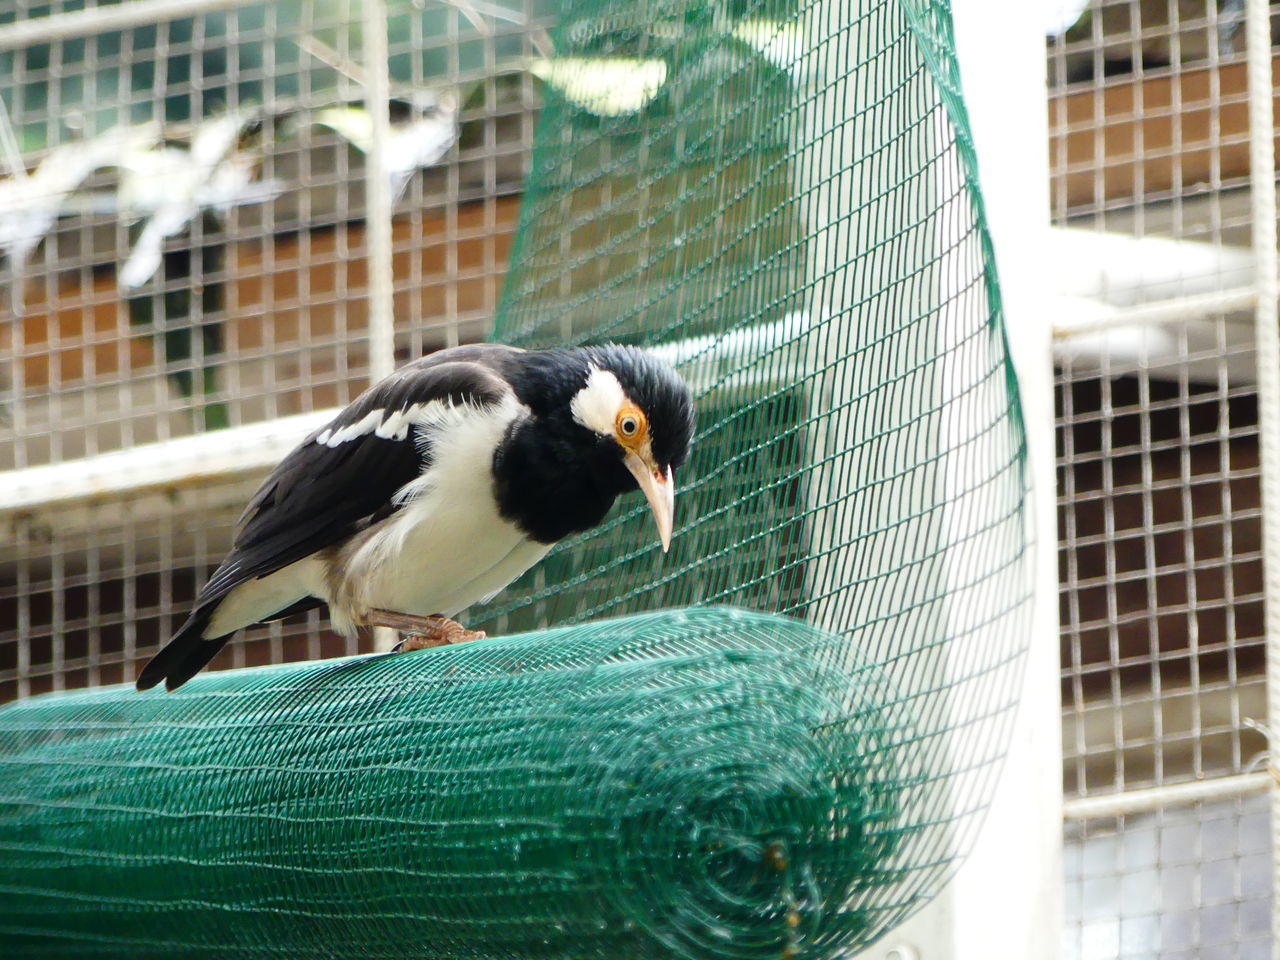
(438, 487)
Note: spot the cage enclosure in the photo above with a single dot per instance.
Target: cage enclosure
(778, 739)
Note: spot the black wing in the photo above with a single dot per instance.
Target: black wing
(320, 494)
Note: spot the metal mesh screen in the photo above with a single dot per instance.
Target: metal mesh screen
(1162, 579)
(782, 200)
(1187, 882)
(1160, 529)
(93, 597)
(255, 306)
(251, 117)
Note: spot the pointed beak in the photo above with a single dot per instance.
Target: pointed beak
(660, 490)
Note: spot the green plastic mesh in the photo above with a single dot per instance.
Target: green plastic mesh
(694, 783)
(779, 196)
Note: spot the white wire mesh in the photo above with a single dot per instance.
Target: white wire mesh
(1162, 580)
(1161, 553)
(235, 137)
(89, 602)
(1188, 883)
(257, 308)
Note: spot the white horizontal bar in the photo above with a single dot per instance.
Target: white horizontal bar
(85, 23)
(1193, 307)
(495, 11)
(222, 454)
(141, 13)
(170, 463)
(1173, 795)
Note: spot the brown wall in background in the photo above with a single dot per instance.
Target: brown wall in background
(1136, 137)
(305, 291)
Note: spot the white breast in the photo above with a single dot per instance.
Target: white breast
(448, 547)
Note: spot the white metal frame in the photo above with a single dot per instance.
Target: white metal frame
(1171, 795)
(1262, 172)
(1260, 296)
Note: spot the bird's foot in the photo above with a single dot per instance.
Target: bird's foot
(437, 632)
(423, 632)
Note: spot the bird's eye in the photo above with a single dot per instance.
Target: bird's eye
(629, 425)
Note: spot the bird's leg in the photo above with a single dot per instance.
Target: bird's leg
(424, 632)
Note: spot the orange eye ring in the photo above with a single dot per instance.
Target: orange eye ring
(630, 425)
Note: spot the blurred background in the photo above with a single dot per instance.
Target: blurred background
(1159, 502)
(183, 227)
(183, 249)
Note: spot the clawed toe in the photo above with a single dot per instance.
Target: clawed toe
(440, 632)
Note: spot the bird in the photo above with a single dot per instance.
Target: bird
(170, 186)
(412, 146)
(30, 205)
(439, 486)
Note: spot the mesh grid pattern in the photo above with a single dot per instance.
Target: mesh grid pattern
(1186, 883)
(702, 786)
(256, 309)
(112, 584)
(1160, 559)
(780, 198)
(280, 328)
(1162, 581)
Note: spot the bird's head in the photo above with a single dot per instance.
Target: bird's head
(641, 414)
(605, 420)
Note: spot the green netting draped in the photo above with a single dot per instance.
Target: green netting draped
(779, 196)
(793, 218)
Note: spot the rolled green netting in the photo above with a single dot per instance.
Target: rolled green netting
(696, 783)
(780, 197)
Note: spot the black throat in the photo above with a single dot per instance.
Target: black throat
(553, 478)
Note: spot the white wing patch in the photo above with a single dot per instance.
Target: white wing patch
(596, 405)
(365, 425)
(391, 425)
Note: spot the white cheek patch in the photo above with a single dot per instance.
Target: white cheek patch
(596, 405)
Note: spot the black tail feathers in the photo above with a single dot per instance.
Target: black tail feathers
(185, 655)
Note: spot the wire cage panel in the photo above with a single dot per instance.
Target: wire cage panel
(1182, 883)
(1159, 474)
(1161, 567)
(186, 247)
(183, 249)
(84, 604)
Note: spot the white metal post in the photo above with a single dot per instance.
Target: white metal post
(377, 187)
(1007, 898)
(377, 217)
(1262, 175)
